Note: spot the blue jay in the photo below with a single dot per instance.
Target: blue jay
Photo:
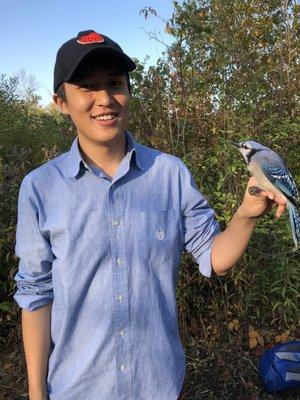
(269, 170)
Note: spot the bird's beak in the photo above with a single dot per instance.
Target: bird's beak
(234, 143)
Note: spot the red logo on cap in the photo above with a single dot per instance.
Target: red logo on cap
(92, 37)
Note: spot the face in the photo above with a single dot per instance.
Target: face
(98, 105)
(246, 151)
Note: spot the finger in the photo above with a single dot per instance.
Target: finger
(280, 210)
(268, 194)
(272, 196)
(280, 200)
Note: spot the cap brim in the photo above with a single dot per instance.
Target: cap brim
(126, 63)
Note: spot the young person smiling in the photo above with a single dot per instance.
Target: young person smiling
(100, 233)
(97, 101)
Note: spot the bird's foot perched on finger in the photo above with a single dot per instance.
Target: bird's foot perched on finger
(254, 190)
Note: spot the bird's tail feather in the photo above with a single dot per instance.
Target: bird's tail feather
(295, 224)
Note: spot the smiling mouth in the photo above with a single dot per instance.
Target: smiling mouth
(105, 117)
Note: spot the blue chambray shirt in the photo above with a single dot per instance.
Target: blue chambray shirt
(106, 253)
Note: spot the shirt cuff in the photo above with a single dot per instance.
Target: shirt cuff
(30, 302)
(204, 261)
(33, 292)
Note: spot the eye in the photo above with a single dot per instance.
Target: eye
(116, 83)
(88, 86)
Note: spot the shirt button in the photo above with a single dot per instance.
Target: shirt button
(115, 222)
(122, 367)
(119, 260)
(160, 234)
(120, 297)
(122, 332)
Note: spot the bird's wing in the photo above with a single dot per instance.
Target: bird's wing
(282, 180)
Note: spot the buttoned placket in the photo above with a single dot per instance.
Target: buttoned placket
(121, 294)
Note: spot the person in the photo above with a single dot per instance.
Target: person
(100, 232)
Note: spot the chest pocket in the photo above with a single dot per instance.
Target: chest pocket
(157, 235)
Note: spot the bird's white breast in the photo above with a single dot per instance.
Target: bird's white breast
(263, 181)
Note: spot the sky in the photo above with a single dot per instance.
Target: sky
(32, 31)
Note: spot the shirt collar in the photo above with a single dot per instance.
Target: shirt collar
(75, 159)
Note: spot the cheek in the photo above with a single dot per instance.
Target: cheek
(79, 107)
(124, 101)
(84, 102)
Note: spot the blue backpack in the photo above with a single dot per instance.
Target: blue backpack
(279, 367)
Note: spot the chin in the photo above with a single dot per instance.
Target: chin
(107, 136)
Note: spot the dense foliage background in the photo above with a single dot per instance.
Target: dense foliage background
(232, 72)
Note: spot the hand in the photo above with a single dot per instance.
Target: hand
(254, 206)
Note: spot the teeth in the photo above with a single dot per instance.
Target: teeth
(105, 117)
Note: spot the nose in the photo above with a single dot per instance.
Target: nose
(103, 97)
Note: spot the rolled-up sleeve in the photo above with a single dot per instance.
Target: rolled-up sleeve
(34, 276)
(199, 223)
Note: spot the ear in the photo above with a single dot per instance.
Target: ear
(61, 104)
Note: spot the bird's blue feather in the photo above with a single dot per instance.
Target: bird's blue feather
(282, 179)
(295, 224)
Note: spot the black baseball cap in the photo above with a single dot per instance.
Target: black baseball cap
(71, 53)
